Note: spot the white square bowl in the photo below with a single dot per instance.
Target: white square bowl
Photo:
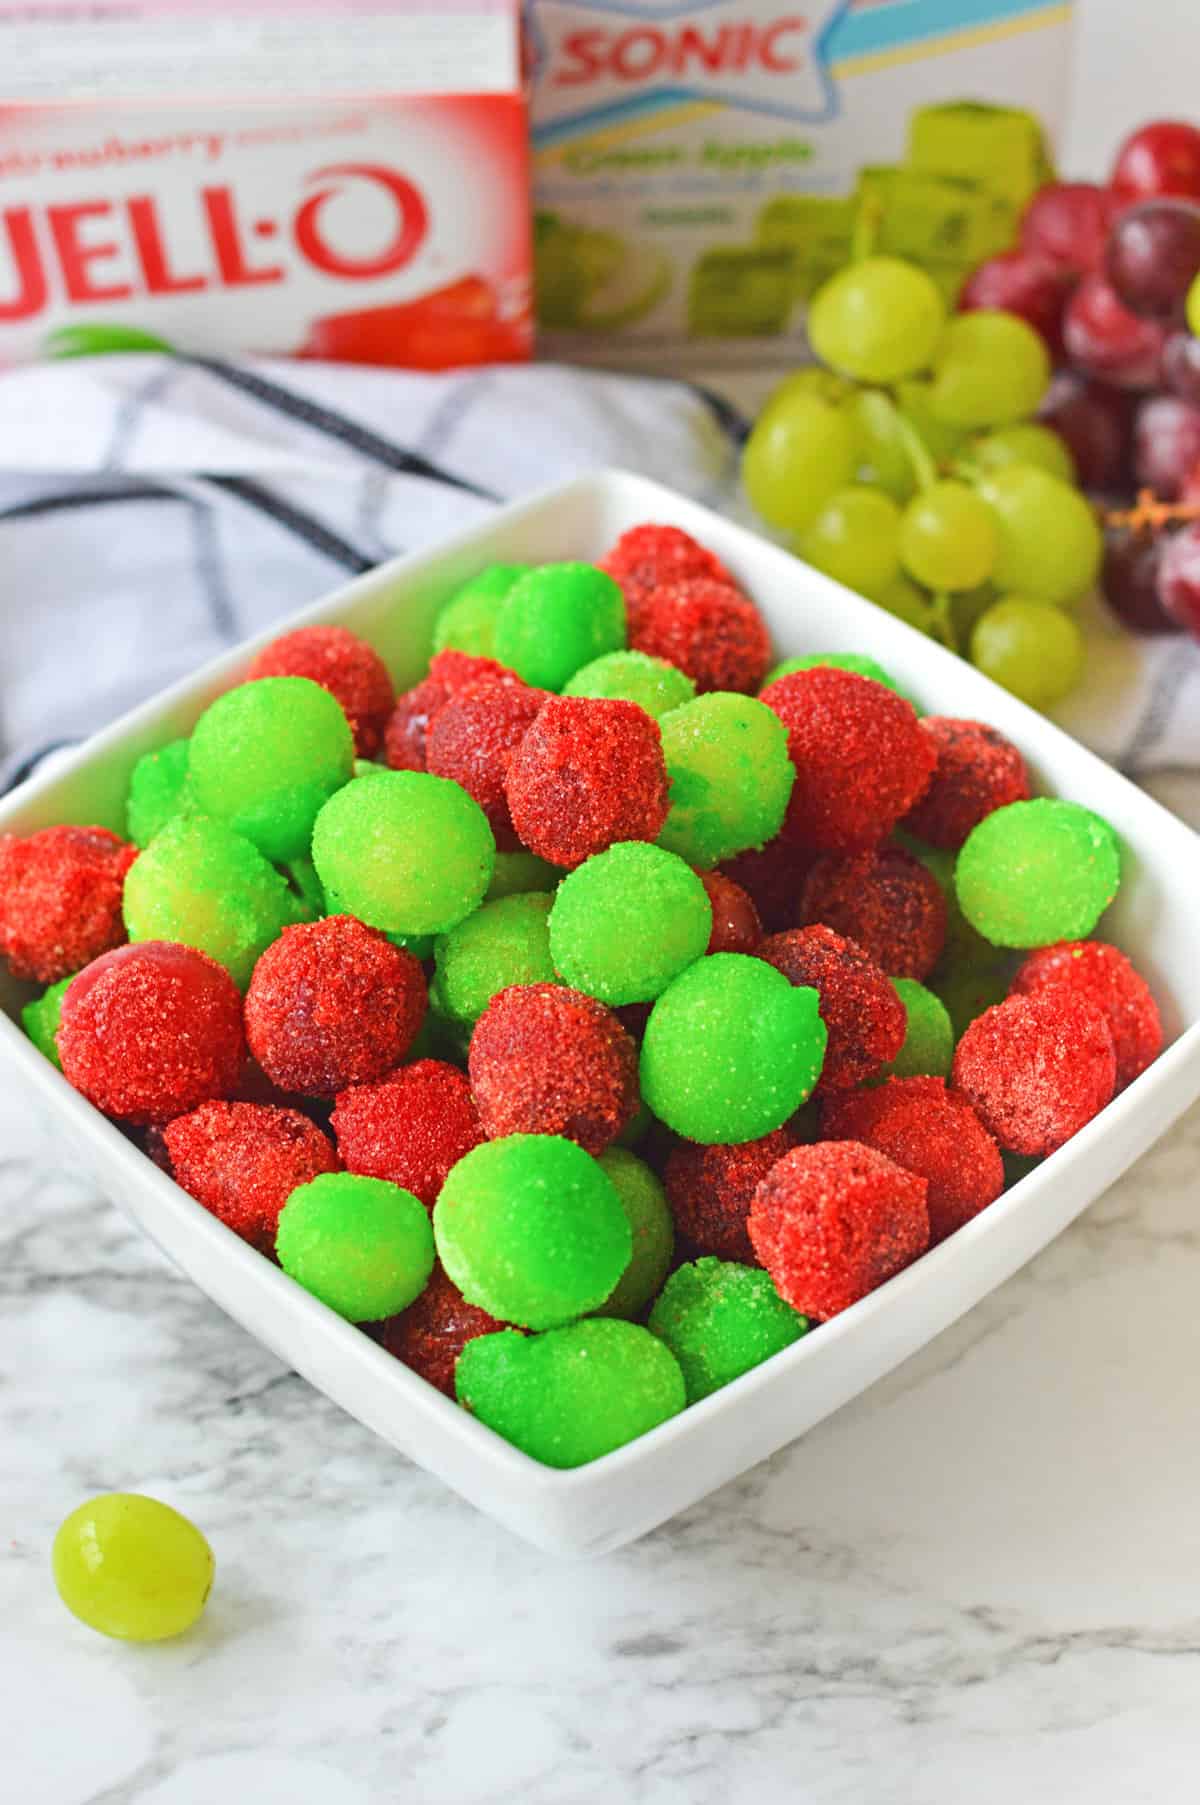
(601, 1506)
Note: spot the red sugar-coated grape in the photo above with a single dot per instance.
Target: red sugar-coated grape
(1105, 340)
(860, 756)
(545, 1059)
(977, 771)
(409, 1128)
(1160, 158)
(60, 899)
(431, 1334)
(589, 772)
(833, 1221)
(1153, 254)
(242, 1161)
(1166, 445)
(710, 1190)
(151, 1031)
(1067, 223)
(1179, 578)
(332, 1003)
(1129, 580)
(1095, 423)
(1181, 366)
(1034, 288)
(709, 630)
(736, 926)
(865, 1018)
(647, 556)
(1036, 1069)
(351, 670)
(472, 738)
(1102, 975)
(408, 727)
(931, 1132)
(886, 902)
(773, 878)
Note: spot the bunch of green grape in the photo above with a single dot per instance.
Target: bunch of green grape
(907, 465)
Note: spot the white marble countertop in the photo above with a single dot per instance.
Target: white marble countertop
(975, 1583)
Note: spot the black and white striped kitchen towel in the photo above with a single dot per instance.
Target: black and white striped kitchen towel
(154, 510)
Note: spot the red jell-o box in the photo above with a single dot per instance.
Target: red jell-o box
(343, 179)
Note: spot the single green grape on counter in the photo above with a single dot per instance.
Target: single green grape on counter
(132, 1568)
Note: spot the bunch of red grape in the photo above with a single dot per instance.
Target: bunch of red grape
(1104, 274)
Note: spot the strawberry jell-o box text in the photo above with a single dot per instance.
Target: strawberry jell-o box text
(700, 169)
(322, 178)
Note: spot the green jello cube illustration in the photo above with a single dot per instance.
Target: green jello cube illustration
(1000, 148)
(816, 228)
(740, 291)
(933, 218)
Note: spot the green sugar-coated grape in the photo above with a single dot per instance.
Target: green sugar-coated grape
(362, 1246)
(1027, 443)
(877, 320)
(1050, 542)
(727, 758)
(531, 1229)
(504, 942)
(266, 756)
(720, 1319)
(40, 1020)
(802, 449)
(991, 369)
(1035, 872)
(159, 789)
(573, 1395)
(132, 1568)
(521, 871)
(949, 538)
(652, 683)
(467, 622)
(731, 1050)
(627, 921)
(1031, 648)
(405, 851)
(200, 883)
(855, 538)
(645, 1204)
(858, 662)
(558, 618)
(928, 1047)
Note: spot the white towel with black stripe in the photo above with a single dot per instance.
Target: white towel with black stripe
(154, 510)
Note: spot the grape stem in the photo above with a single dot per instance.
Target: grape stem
(941, 621)
(924, 468)
(866, 229)
(1149, 515)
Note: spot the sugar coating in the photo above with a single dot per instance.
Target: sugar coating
(588, 773)
(861, 758)
(727, 758)
(773, 877)
(1104, 976)
(148, 1032)
(1036, 872)
(472, 738)
(556, 619)
(886, 901)
(407, 728)
(430, 1335)
(266, 756)
(60, 899)
(928, 1045)
(242, 1161)
(736, 927)
(628, 921)
(648, 556)
(710, 1190)
(720, 1320)
(547, 1060)
(411, 1127)
(978, 770)
(1036, 1069)
(930, 1131)
(652, 683)
(467, 622)
(841, 661)
(731, 1050)
(360, 1245)
(40, 1020)
(332, 1003)
(521, 871)
(531, 1229)
(832, 1222)
(351, 670)
(573, 1395)
(404, 851)
(864, 1017)
(503, 943)
(158, 790)
(201, 883)
(707, 629)
(645, 1205)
